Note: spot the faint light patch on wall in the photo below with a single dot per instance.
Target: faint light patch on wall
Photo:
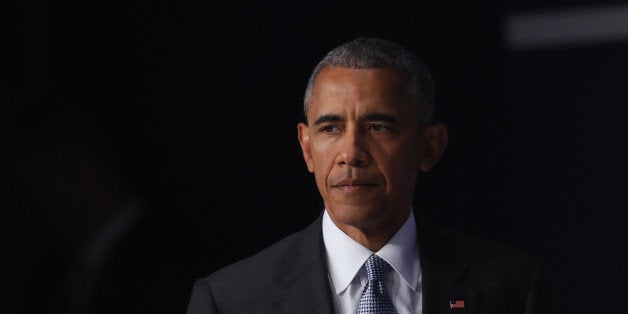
(566, 27)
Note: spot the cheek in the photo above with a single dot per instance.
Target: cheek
(319, 159)
(322, 154)
(324, 163)
(320, 179)
(399, 165)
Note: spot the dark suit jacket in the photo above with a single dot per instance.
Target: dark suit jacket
(291, 277)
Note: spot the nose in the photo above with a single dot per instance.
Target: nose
(353, 149)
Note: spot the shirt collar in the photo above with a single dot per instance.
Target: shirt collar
(345, 256)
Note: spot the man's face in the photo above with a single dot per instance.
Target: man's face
(362, 144)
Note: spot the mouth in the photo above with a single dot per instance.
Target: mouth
(354, 185)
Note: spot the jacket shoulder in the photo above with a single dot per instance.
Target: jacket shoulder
(249, 284)
(474, 248)
(258, 264)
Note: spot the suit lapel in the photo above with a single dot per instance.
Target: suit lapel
(442, 269)
(302, 278)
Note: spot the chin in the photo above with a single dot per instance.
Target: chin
(357, 215)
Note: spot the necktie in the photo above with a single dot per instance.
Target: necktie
(375, 298)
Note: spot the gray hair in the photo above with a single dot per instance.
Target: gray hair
(367, 53)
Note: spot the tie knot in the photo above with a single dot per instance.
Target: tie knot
(376, 267)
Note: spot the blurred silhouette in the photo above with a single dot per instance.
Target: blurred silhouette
(84, 241)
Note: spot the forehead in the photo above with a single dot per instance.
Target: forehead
(375, 89)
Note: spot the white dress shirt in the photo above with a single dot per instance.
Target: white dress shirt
(345, 257)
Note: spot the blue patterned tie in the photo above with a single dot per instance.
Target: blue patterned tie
(375, 298)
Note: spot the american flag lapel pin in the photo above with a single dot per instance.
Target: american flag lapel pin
(456, 304)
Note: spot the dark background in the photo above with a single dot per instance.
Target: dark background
(188, 110)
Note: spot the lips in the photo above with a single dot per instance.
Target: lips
(354, 183)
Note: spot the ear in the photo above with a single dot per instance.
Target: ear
(304, 140)
(433, 142)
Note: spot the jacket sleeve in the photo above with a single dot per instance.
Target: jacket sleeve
(201, 300)
(538, 295)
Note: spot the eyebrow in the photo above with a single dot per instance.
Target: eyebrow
(327, 118)
(371, 117)
(374, 117)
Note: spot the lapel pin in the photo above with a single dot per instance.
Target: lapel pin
(457, 304)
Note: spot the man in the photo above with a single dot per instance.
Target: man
(369, 107)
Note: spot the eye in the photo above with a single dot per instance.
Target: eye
(378, 127)
(329, 129)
